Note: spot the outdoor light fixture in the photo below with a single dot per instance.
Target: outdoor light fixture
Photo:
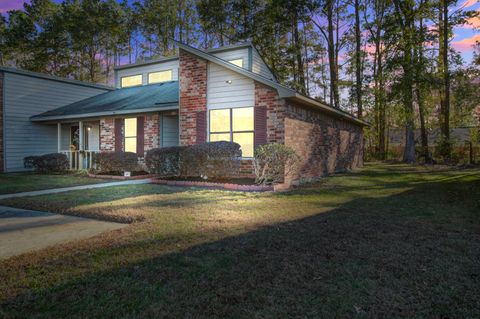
(228, 81)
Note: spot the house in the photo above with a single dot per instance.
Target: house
(227, 93)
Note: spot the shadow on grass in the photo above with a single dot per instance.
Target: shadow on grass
(413, 254)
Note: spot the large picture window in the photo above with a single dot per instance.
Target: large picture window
(158, 77)
(133, 80)
(233, 125)
(130, 135)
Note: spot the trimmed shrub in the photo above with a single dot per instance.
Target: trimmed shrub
(116, 162)
(164, 161)
(274, 161)
(211, 159)
(48, 163)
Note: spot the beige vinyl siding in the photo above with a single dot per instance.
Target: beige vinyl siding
(146, 69)
(26, 96)
(220, 94)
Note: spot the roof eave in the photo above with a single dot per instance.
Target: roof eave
(55, 78)
(36, 118)
(327, 109)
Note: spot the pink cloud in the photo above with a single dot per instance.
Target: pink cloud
(469, 3)
(466, 44)
(7, 5)
(472, 23)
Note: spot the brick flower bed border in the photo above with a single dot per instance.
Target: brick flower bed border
(227, 186)
(122, 178)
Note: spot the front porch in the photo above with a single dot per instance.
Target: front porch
(79, 141)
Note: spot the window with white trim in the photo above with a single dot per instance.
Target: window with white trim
(161, 76)
(233, 125)
(130, 135)
(132, 80)
(237, 62)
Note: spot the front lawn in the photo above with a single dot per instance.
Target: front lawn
(25, 182)
(388, 241)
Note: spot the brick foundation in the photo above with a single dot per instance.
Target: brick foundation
(325, 144)
(2, 154)
(193, 95)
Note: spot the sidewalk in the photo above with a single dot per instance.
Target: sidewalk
(74, 188)
(24, 230)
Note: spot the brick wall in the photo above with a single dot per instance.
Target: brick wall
(2, 154)
(107, 134)
(151, 133)
(151, 129)
(276, 107)
(325, 144)
(193, 95)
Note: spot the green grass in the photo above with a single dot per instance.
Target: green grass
(25, 182)
(388, 241)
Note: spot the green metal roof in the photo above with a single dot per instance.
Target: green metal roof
(138, 99)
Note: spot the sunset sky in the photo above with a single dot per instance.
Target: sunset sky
(464, 38)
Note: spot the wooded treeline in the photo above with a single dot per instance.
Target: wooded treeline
(389, 62)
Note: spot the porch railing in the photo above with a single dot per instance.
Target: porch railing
(80, 159)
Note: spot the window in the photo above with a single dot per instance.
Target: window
(162, 76)
(233, 125)
(237, 62)
(133, 80)
(130, 128)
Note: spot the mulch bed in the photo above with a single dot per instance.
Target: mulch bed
(119, 175)
(237, 184)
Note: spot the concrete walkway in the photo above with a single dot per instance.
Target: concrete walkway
(75, 188)
(26, 230)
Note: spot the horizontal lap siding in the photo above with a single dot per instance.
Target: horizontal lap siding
(169, 133)
(233, 55)
(241, 92)
(27, 96)
(258, 66)
(145, 70)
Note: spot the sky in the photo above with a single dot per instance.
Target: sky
(464, 37)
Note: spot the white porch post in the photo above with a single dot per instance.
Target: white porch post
(59, 137)
(80, 144)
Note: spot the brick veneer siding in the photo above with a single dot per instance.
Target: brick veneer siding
(325, 144)
(2, 154)
(107, 134)
(276, 107)
(193, 95)
(151, 133)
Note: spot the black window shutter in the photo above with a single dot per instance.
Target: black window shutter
(118, 135)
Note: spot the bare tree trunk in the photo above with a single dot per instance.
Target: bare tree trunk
(358, 63)
(334, 95)
(419, 92)
(446, 115)
(298, 55)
